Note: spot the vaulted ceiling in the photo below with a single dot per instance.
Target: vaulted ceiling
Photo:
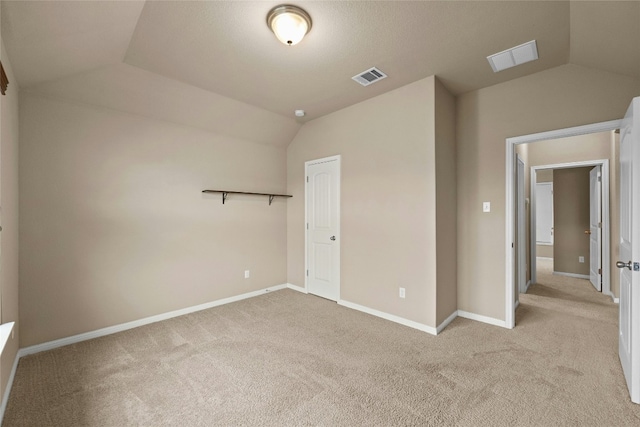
(226, 49)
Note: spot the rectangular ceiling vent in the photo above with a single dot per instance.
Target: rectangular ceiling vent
(372, 75)
(515, 56)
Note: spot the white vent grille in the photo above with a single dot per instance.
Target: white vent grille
(515, 56)
(372, 75)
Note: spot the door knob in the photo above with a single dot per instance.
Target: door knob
(621, 264)
(587, 231)
(332, 238)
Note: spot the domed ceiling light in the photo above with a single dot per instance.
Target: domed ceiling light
(289, 23)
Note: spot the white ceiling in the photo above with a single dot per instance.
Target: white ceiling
(225, 47)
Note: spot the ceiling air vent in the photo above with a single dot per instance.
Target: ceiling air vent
(515, 56)
(372, 75)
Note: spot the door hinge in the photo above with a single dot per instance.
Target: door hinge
(307, 179)
(600, 271)
(599, 225)
(307, 226)
(307, 272)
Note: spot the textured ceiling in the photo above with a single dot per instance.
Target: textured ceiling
(225, 47)
(49, 40)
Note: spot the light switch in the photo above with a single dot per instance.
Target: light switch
(486, 206)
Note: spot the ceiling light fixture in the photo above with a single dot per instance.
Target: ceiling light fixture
(289, 23)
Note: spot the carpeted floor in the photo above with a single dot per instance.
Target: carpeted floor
(286, 359)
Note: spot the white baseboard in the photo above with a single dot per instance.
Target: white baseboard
(422, 327)
(544, 258)
(7, 391)
(615, 300)
(446, 322)
(397, 319)
(297, 288)
(141, 322)
(483, 319)
(526, 288)
(577, 276)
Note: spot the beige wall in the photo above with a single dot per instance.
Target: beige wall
(558, 98)
(114, 226)
(446, 201)
(545, 175)
(389, 198)
(544, 251)
(9, 217)
(595, 146)
(571, 219)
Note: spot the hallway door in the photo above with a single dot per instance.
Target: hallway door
(629, 262)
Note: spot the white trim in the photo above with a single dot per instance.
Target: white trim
(7, 390)
(563, 133)
(297, 288)
(577, 276)
(509, 202)
(543, 243)
(336, 158)
(517, 304)
(446, 322)
(521, 233)
(613, 297)
(393, 318)
(480, 318)
(141, 322)
(545, 258)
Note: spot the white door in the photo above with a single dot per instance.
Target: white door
(323, 227)
(521, 235)
(544, 213)
(629, 263)
(595, 227)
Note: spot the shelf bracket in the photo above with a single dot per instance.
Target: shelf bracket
(224, 196)
(271, 197)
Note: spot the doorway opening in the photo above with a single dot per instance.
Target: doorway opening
(595, 244)
(510, 198)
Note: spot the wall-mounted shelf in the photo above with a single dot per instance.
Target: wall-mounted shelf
(225, 193)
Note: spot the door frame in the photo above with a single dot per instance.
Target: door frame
(337, 158)
(521, 282)
(606, 219)
(510, 202)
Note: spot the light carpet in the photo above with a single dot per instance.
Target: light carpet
(289, 359)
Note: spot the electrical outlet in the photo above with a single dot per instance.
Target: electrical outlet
(581, 259)
(402, 294)
(247, 274)
(486, 206)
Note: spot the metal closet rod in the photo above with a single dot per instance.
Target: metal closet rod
(225, 193)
